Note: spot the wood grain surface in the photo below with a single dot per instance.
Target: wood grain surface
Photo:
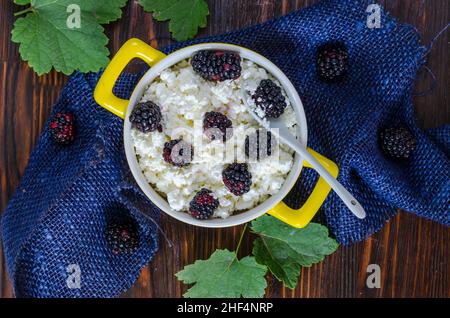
(413, 253)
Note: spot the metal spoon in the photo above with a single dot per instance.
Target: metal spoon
(277, 127)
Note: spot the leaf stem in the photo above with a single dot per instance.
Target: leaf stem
(240, 239)
(29, 9)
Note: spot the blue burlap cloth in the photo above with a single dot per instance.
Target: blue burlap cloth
(57, 216)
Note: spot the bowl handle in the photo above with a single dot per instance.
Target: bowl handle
(133, 48)
(301, 217)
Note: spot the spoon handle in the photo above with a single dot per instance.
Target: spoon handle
(350, 201)
(280, 129)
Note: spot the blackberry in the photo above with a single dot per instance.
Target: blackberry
(259, 146)
(203, 205)
(332, 62)
(269, 98)
(237, 178)
(62, 128)
(216, 124)
(146, 117)
(217, 66)
(178, 152)
(122, 235)
(397, 142)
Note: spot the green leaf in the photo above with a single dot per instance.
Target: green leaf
(105, 11)
(46, 40)
(22, 2)
(185, 16)
(284, 249)
(224, 276)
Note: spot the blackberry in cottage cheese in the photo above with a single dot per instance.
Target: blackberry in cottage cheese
(185, 97)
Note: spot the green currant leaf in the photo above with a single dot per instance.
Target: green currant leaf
(284, 249)
(46, 40)
(105, 11)
(22, 2)
(224, 276)
(186, 16)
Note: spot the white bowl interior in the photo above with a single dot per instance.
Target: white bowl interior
(241, 217)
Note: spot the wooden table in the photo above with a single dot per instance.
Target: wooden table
(412, 252)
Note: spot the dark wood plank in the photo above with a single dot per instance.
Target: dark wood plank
(412, 252)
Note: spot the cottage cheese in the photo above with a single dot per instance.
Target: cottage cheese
(184, 97)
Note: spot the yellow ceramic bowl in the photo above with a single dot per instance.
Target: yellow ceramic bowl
(135, 48)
